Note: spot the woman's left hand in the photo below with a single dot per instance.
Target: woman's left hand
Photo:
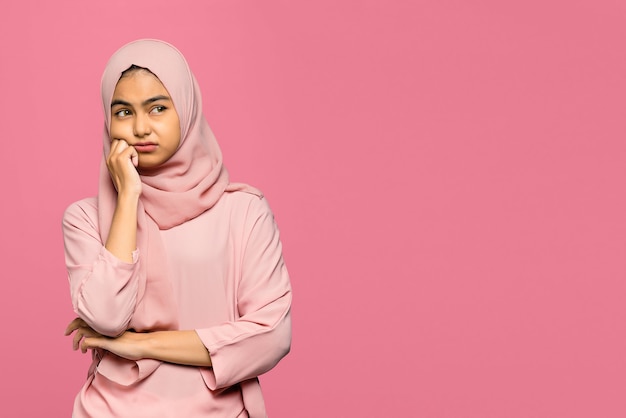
(126, 345)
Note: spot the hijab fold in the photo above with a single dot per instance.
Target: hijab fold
(185, 186)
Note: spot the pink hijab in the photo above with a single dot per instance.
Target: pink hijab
(185, 186)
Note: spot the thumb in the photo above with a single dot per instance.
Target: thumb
(134, 157)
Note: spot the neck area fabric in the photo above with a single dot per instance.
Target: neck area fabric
(185, 186)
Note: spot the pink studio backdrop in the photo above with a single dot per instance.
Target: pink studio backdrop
(448, 176)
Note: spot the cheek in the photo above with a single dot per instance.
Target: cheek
(176, 138)
(176, 133)
(171, 133)
(120, 130)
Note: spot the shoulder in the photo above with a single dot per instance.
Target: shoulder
(246, 210)
(250, 202)
(82, 212)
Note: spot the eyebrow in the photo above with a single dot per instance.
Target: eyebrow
(144, 103)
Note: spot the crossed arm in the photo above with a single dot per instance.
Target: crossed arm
(181, 347)
(245, 348)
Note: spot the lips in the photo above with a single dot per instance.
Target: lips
(145, 146)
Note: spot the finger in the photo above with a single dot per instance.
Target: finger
(119, 159)
(128, 154)
(91, 342)
(76, 323)
(114, 143)
(117, 146)
(134, 158)
(122, 154)
(76, 339)
(111, 152)
(81, 334)
(70, 327)
(84, 346)
(121, 145)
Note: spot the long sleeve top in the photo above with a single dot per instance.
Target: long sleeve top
(230, 284)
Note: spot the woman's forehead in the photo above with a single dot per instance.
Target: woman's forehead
(139, 83)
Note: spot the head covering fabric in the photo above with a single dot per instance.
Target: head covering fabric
(194, 178)
(185, 186)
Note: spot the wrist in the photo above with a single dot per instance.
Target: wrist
(139, 341)
(142, 339)
(146, 343)
(128, 196)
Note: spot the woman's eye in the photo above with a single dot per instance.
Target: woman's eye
(158, 109)
(122, 113)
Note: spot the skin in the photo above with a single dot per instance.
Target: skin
(142, 112)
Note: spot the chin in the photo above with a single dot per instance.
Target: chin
(146, 165)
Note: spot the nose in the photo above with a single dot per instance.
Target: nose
(141, 125)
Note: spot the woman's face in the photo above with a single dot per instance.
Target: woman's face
(143, 115)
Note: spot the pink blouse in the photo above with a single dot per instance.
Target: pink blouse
(231, 286)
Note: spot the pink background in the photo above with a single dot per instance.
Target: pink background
(448, 177)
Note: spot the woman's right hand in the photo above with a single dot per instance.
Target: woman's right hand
(122, 162)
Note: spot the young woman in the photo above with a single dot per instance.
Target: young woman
(176, 274)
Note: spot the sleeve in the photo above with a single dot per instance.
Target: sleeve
(102, 287)
(261, 336)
